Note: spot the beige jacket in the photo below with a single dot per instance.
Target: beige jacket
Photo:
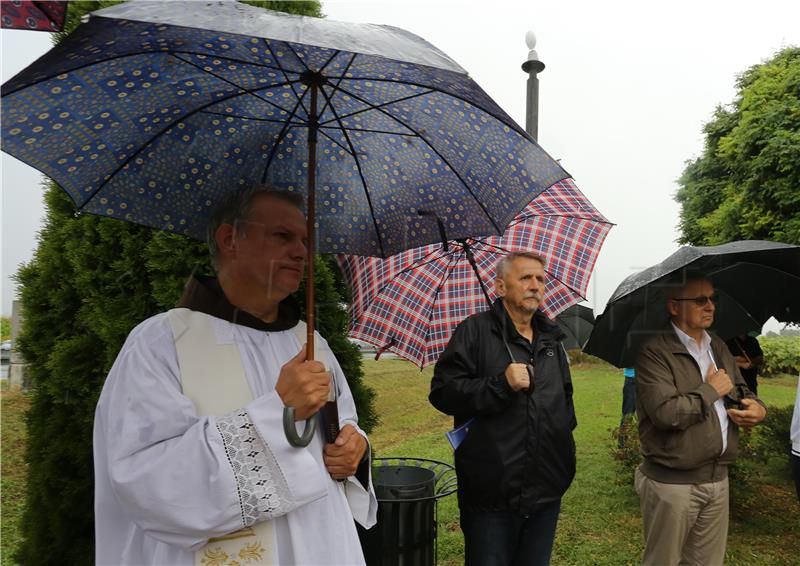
(679, 430)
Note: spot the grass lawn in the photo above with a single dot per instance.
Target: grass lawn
(600, 522)
(12, 459)
(600, 519)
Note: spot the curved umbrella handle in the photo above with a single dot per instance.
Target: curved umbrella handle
(290, 430)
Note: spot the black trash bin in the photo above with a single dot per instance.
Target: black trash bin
(407, 490)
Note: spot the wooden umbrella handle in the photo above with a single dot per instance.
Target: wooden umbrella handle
(330, 411)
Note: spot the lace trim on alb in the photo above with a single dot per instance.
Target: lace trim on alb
(263, 491)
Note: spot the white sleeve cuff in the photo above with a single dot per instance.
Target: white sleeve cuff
(306, 480)
(263, 491)
(361, 499)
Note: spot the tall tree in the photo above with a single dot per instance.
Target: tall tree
(90, 282)
(746, 183)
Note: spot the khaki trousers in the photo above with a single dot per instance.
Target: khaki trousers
(683, 523)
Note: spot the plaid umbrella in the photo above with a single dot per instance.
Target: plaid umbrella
(410, 303)
(34, 16)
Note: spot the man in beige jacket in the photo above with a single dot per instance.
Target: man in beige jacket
(691, 399)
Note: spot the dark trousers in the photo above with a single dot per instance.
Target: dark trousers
(796, 474)
(628, 397)
(503, 538)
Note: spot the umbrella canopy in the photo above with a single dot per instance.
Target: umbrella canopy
(34, 16)
(150, 111)
(410, 303)
(753, 279)
(577, 323)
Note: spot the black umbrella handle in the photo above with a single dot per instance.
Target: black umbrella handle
(290, 430)
(439, 224)
(474, 265)
(330, 421)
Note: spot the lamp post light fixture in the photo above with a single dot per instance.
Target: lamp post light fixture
(533, 67)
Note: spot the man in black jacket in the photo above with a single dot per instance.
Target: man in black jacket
(505, 369)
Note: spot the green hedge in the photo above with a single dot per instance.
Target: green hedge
(781, 355)
(626, 449)
(763, 452)
(767, 443)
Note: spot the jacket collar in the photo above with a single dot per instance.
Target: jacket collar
(544, 327)
(674, 344)
(204, 294)
(688, 341)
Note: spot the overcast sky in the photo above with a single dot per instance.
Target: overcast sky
(627, 88)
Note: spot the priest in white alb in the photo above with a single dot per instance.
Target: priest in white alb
(192, 466)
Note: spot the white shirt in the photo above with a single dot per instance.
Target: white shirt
(166, 480)
(704, 357)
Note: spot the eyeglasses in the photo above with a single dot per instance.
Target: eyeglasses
(701, 300)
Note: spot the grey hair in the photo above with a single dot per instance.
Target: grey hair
(236, 206)
(505, 262)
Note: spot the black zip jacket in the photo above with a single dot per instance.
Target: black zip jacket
(519, 450)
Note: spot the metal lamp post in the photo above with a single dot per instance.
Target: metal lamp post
(533, 67)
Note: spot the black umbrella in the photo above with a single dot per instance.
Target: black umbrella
(753, 279)
(576, 322)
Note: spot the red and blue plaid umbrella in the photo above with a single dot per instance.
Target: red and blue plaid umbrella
(410, 303)
(34, 16)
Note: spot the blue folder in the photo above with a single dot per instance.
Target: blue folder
(458, 434)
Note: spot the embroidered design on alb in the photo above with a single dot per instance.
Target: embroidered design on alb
(248, 554)
(263, 491)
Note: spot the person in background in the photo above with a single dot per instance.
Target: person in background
(748, 355)
(628, 404)
(628, 392)
(795, 436)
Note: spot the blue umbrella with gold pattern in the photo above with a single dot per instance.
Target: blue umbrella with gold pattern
(151, 111)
